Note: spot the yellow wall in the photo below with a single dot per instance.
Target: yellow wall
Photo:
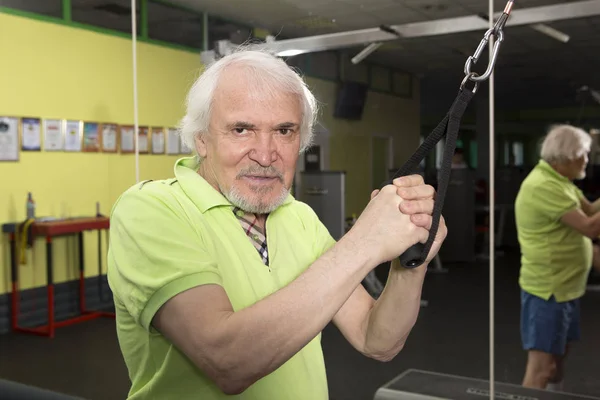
(54, 71)
(350, 141)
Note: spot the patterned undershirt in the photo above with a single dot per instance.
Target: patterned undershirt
(257, 236)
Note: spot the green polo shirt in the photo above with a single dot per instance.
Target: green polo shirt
(555, 258)
(172, 235)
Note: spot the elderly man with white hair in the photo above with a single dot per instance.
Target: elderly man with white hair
(223, 282)
(556, 225)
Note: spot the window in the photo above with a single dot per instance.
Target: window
(300, 63)
(441, 147)
(109, 14)
(473, 154)
(51, 8)
(175, 25)
(354, 72)
(518, 153)
(381, 78)
(402, 84)
(513, 154)
(324, 64)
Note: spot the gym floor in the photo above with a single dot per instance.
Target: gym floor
(451, 336)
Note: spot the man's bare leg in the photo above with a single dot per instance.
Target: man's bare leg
(541, 368)
(556, 382)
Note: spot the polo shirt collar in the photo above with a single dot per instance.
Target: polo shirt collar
(199, 190)
(544, 166)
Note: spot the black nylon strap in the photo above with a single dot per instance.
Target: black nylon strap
(447, 128)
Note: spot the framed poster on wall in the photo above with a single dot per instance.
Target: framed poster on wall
(31, 134)
(9, 139)
(158, 141)
(143, 139)
(127, 139)
(91, 137)
(172, 141)
(109, 138)
(73, 135)
(54, 139)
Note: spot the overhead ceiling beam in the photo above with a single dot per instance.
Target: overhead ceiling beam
(525, 16)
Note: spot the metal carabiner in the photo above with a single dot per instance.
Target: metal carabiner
(471, 61)
(470, 78)
(498, 32)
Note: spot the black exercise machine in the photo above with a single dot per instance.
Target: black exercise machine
(17, 391)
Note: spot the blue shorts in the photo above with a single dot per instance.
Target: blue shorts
(548, 326)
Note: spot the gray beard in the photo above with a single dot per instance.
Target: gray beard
(255, 206)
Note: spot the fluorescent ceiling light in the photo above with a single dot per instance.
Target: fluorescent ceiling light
(290, 53)
(542, 28)
(365, 52)
(551, 32)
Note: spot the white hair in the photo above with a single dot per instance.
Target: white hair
(264, 70)
(565, 143)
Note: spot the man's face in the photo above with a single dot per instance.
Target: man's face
(578, 167)
(252, 146)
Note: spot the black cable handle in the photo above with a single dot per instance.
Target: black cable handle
(447, 128)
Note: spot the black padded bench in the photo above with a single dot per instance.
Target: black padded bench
(424, 385)
(17, 391)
